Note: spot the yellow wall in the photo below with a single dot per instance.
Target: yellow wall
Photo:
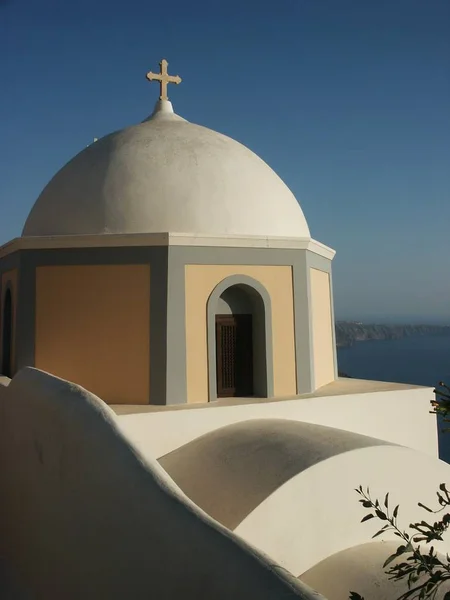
(9, 278)
(93, 326)
(200, 282)
(322, 327)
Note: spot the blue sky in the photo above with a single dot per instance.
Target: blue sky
(348, 100)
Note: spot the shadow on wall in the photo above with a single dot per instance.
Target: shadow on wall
(221, 470)
(361, 569)
(85, 516)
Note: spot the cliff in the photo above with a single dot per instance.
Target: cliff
(348, 332)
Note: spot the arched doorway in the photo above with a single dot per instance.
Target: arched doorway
(239, 340)
(7, 334)
(235, 324)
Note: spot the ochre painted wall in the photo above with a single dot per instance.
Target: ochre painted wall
(93, 328)
(200, 282)
(322, 327)
(9, 280)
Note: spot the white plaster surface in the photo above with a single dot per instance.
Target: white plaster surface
(166, 175)
(359, 569)
(231, 470)
(85, 515)
(319, 506)
(286, 485)
(117, 240)
(400, 415)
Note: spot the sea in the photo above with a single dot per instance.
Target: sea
(419, 359)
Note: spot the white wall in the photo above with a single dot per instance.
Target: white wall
(319, 507)
(398, 416)
(230, 471)
(360, 569)
(85, 515)
(288, 487)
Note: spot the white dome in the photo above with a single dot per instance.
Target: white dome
(166, 175)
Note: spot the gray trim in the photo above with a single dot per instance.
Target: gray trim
(302, 322)
(312, 373)
(314, 261)
(26, 315)
(9, 262)
(93, 256)
(211, 330)
(176, 330)
(218, 255)
(158, 325)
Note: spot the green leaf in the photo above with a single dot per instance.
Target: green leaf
(380, 514)
(367, 517)
(378, 533)
(400, 550)
(389, 560)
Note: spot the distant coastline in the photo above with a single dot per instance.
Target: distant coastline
(350, 332)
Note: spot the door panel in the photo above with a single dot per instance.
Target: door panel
(234, 355)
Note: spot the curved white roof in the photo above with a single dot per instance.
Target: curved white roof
(166, 175)
(360, 569)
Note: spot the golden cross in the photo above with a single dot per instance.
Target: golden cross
(164, 78)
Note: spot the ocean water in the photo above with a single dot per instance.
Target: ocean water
(420, 360)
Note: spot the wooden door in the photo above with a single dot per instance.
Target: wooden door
(234, 355)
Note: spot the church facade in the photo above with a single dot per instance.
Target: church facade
(169, 322)
(167, 264)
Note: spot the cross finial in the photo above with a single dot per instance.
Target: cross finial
(164, 78)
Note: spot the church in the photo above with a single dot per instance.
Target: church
(174, 266)
(169, 377)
